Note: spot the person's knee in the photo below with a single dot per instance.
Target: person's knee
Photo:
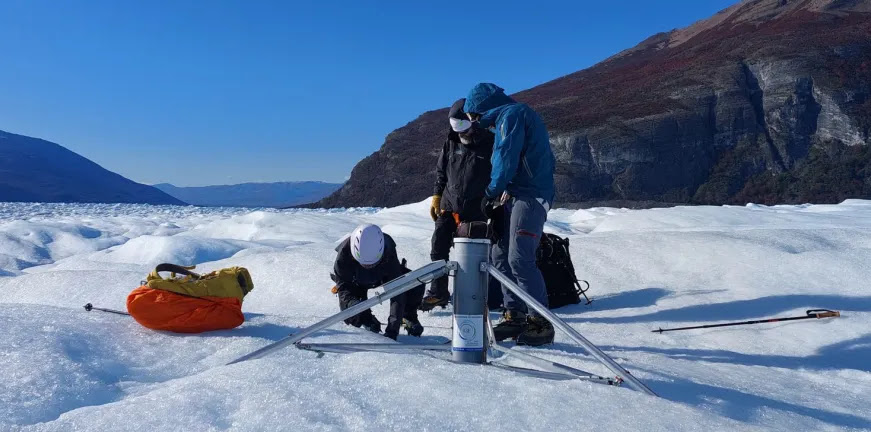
(441, 247)
(441, 244)
(521, 266)
(522, 255)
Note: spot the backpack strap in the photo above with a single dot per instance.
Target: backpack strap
(173, 269)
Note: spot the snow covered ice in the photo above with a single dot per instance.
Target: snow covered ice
(66, 369)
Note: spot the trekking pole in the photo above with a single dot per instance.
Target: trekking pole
(583, 291)
(89, 307)
(813, 313)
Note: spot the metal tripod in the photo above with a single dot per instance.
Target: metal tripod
(472, 329)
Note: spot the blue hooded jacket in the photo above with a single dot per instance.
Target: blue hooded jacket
(523, 162)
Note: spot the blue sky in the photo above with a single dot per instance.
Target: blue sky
(196, 92)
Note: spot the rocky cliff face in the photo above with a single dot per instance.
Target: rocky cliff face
(768, 101)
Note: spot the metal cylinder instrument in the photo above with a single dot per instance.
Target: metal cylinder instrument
(469, 344)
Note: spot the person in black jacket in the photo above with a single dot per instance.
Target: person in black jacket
(462, 175)
(367, 259)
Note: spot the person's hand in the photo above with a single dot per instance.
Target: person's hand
(495, 215)
(434, 208)
(487, 207)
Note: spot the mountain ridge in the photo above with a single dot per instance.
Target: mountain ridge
(252, 194)
(769, 105)
(37, 170)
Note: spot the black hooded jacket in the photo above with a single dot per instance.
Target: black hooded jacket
(463, 173)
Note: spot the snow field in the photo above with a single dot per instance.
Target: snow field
(66, 369)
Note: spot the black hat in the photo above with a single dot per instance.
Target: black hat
(457, 110)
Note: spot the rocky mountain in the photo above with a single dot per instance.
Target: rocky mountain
(768, 101)
(36, 170)
(281, 194)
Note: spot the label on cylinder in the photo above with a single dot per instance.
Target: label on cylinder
(468, 333)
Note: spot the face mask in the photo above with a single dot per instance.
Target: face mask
(460, 125)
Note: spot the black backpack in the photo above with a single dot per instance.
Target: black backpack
(555, 263)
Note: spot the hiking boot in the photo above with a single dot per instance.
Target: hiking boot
(373, 325)
(431, 302)
(391, 334)
(539, 331)
(512, 324)
(412, 327)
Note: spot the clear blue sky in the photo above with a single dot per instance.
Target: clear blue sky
(197, 92)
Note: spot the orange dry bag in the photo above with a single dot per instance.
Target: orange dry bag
(191, 303)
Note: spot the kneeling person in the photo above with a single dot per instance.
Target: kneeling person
(366, 260)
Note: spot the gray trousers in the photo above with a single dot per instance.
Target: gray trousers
(514, 253)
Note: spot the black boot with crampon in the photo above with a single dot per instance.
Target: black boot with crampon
(538, 332)
(437, 296)
(513, 323)
(412, 326)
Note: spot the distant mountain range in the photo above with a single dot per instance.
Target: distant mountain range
(35, 170)
(768, 101)
(282, 194)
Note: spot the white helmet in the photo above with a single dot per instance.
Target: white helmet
(367, 244)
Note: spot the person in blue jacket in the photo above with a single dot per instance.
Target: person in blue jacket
(521, 186)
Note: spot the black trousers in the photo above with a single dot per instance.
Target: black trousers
(442, 240)
(402, 306)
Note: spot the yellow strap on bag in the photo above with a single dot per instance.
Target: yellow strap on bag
(227, 282)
